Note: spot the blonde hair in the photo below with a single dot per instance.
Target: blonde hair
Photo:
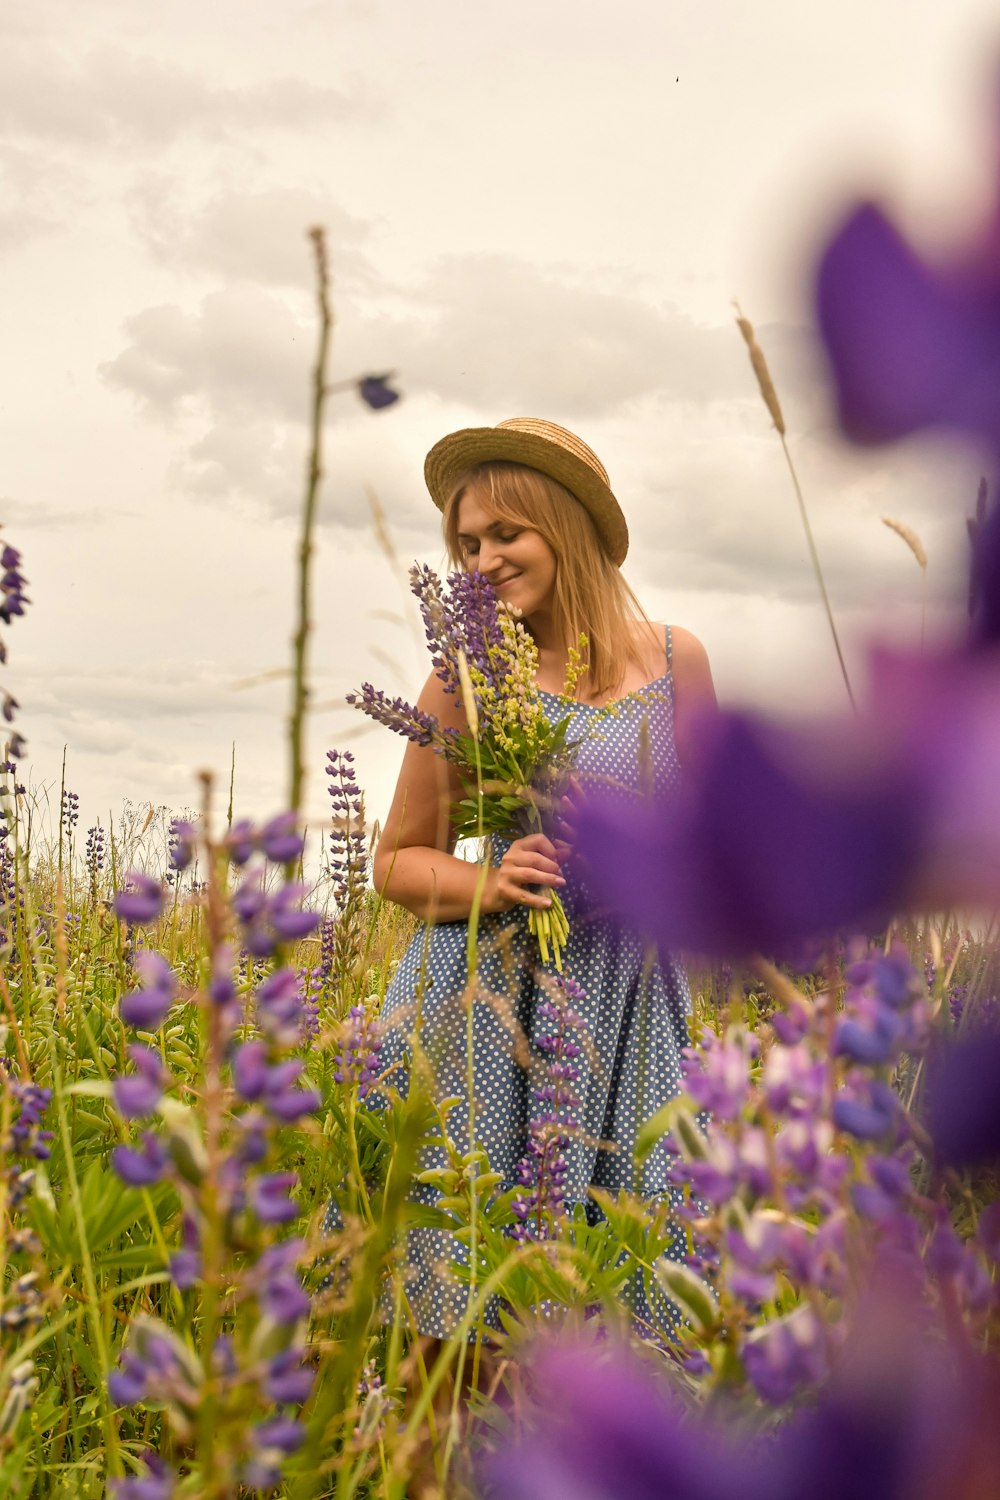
(590, 597)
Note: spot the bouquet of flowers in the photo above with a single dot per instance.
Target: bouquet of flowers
(513, 762)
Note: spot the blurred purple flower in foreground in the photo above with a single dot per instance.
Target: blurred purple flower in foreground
(915, 345)
(904, 1416)
(912, 345)
(775, 837)
(142, 900)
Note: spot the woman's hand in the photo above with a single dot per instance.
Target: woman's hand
(529, 862)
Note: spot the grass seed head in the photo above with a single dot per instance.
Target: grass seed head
(761, 371)
(910, 537)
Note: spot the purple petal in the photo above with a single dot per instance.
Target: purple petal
(280, 1432)
(284, 1299)
(280, 841)
(609, 1429)
(766, 847)
(288, 1380)
(250, 1070)
(135, 1095)
(964, 1103)
(144, 1167)
(144, 1009)
(270, 1198)
(911, 346)
(142, 901)
(376, 393)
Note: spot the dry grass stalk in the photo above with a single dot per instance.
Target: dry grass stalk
(761, 371)
(909, 537)
(770, 396)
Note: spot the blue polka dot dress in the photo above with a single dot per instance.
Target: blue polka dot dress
(634, 1016)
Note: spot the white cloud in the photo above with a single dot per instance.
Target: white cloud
(116, 96)
(253, 235)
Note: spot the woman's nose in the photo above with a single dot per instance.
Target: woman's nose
(489, 557)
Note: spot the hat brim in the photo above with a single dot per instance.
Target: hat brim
(460, 451)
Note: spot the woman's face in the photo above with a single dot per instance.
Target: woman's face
(519, 562)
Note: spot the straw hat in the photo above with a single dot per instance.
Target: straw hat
(538, 445)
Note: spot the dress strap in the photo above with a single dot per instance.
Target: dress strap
(668, 641)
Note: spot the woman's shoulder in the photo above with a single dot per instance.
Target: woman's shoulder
(683, 646)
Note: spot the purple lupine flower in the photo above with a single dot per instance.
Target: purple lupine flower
(258, 1080)
(541, 1172)
(94, 853)
(250, 1069)
(137, 1094)
(348, 848)
(786, 1355)
(12, 585)
(252, 1146)
(288, 920)
(416, 725)
(358, 1051)
(143, 1167)
(128, 1384)
(270, 919)
(793, 1080)
(280, 1432)
(155, 1366)
(70, 813)
(716, 1074)
(146, 1007)
(26, 1138)
(280, 1007)
(282, 1296)
(182, 843)
(287, 1379)
(221, 988)
(279, 840)
(158, 1483)
(249, 900)
(240, 841)
(142, 901)
(866, 1108)
(270, 1200)
(376, 392)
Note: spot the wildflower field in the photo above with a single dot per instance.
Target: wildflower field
(208, 1171)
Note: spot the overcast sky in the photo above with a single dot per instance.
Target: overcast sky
(536, 208)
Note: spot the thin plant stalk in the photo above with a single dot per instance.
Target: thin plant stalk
(770, 398)
(314, 473)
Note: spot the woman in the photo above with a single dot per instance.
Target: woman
(530, 506)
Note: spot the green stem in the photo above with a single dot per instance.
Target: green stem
(94, 1318)
(300, 690)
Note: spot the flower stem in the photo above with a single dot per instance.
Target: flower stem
(300, 690)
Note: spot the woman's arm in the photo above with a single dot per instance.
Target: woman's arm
(414, 861)
(694, 691)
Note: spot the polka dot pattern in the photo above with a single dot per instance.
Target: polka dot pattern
(635, 1017)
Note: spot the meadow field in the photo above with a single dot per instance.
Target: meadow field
(209, 1175)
